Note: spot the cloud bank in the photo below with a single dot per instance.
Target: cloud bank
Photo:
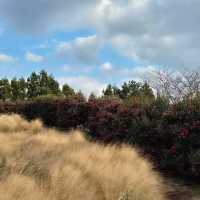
(31, 57)
(151, 31)
(81, 49)
(83, 83)
(6, 58)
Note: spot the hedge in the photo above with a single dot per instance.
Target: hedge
(170, 135)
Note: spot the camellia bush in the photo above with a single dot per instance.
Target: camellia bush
(181, 152)
(168, 134)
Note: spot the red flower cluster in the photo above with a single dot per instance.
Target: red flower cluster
(184, 133)
(195, 124)
(173, 148)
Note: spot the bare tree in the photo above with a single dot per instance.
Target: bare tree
(175, 85)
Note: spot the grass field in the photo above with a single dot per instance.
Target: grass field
(37, 163)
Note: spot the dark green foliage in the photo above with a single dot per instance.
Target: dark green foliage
(41, 84)
(92, 97)
(67, 90)
(48, 85)
(5, 90)
(131, 91)
(80, 95)
(33, 86)
(146, 91)
(22, 89)
(108, 91)
(18, 89)
(36, 85)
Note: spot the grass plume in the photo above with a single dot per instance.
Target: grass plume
(37, 163)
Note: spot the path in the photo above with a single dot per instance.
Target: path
(179, 191)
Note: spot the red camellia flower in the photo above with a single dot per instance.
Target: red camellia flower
(195, 124)
(173, 148)
(184, 133)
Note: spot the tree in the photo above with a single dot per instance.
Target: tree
(116, 91)
(67, 90)
(92, 96)
(130, 91)
(15, 90)
(18, 89)
(5, 91)
(22, 89)
(33, 86)
(146, 91)
(48, 85)
(42, 84)
(108, 91)
(176, 85)
(53, 86)
(80, 95)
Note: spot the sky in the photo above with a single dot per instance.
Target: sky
(91, 43)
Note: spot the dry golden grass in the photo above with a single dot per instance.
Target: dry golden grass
(15, 123)
(37, 163)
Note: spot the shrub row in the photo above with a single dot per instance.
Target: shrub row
(171, 137)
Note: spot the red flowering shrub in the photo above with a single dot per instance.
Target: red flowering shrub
(174, 148)
(171, 137)
(71, 112)
(7, 107)
(184, 133)
(185, 142)
(108, 120)
(45, 109)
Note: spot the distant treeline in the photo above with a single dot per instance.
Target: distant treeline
(43, 84)
(35, 85)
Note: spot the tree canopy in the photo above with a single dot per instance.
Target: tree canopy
(129, 90)
(42, 84)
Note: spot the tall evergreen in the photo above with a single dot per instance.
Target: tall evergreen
(67, 90)
(33, 86)
(5, 90)
(15, 90)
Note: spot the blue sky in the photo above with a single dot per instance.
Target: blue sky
(92, 43)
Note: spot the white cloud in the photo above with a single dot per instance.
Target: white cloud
(33, 57)
(134, 73)
(6, 58)
(81, 49)
(76, 69)
(47, 44)
(44, 45)
(106, 66)
(39, 16)
(66, 68)
(62, 47)
(137, 73)
(83, 83)
(152, 31)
